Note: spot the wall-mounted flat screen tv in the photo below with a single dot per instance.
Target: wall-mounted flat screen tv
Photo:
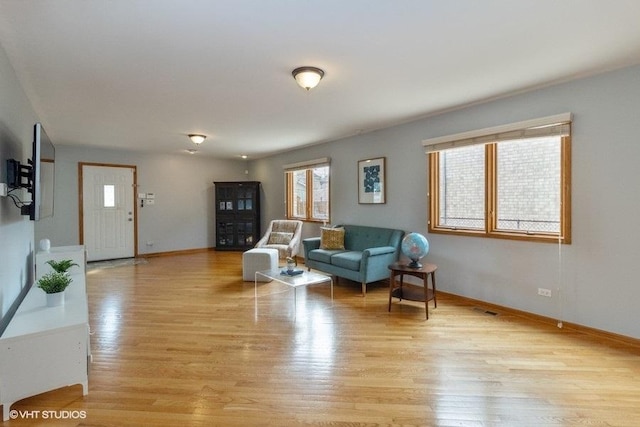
(43, 174)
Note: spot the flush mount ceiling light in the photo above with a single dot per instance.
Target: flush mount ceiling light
(197, 138)
(308, 77)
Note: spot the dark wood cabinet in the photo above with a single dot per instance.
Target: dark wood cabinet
(237, 215)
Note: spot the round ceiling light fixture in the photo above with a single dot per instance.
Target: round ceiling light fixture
(197, 138)
(307, 77)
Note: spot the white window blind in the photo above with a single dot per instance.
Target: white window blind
(558, 125)
(308, 164)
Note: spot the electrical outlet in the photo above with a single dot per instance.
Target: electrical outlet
(3, 189)
(544, 292)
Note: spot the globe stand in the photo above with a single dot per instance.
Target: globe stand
(415, 264)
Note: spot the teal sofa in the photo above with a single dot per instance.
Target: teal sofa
(367, 253)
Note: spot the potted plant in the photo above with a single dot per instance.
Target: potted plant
(54, 284)
(61, 266)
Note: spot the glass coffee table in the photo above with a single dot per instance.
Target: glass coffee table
(305, 278)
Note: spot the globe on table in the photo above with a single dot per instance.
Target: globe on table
(415, 246)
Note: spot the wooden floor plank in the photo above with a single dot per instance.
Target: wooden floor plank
(181, 340)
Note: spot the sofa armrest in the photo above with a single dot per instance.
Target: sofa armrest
(263, 241)
(381, 250)
(375, 262)
(310, 244)
(294, 245)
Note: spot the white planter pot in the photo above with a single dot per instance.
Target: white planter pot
(55, 300)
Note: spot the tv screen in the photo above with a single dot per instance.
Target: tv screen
(44, 156)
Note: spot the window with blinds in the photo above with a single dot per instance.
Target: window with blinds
(307, 190)
(510, 181)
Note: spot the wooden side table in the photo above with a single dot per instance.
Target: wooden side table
(413, 292)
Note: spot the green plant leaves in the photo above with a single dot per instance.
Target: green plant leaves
(61, 266)
(54, 282)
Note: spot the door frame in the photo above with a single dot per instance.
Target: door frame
(135, 204)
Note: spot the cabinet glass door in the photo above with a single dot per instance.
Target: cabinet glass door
(246, 233)
(245, 199)
(225, 233)
(224, 196)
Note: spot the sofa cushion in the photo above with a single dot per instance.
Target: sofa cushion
(332, 238)
(349, 260)
(322, 255)
(279, 238)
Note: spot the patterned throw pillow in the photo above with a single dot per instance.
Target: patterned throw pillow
(279, 238)
(331, 238)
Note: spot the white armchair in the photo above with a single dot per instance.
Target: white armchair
(283, 235)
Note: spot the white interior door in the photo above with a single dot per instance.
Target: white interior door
(108, 212)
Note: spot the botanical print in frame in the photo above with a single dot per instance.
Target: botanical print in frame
(371, 181)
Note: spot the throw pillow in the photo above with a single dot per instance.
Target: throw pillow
(279, 238)
(332, 238)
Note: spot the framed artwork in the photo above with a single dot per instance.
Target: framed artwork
(371, 181)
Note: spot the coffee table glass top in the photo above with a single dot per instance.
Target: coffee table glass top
(303, 279)
(306, 278)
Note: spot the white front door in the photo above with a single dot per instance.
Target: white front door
(108, 211)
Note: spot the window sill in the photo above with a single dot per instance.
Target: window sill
(543, 238)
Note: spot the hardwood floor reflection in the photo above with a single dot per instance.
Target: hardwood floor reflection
(177, 341)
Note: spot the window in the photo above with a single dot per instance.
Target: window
(109, 196)
(508, 182)
(308, 190)
(461, 189)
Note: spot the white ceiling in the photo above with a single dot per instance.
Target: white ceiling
(142, 74)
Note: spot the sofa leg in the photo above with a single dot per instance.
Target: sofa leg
(364, 289)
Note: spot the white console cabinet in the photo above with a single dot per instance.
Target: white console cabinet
(45, 348)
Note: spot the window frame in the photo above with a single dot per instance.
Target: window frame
(490, 214)
(289, 191)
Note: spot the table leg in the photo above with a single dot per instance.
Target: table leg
(433, 282)
(425, 283)
(392, 280)
(255, 295)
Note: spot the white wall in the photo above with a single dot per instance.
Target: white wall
(182, 217)
(16, 232)
(594, 280)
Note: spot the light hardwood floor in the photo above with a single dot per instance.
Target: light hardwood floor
(182, 341)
